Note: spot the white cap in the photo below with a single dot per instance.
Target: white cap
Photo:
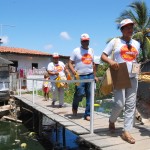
(55, 55)
(85, 37)
(125, 22)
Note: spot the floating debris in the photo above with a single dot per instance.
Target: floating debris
(23, 145)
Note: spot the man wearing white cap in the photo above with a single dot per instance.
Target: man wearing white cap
(83, 59)
(126, 50)
(55, 69)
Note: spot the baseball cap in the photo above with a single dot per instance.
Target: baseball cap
(125, 22)
(85, 37)
(55, 55)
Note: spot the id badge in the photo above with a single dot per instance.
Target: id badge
(136, 68)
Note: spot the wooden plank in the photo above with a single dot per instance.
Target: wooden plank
(101, 138)
(78, 130)
(44, 111)
(67, 123)
(139, 145)
(12, 119)
(105, 140)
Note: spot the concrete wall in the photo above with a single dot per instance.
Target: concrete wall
(37, 85)
(25, 61)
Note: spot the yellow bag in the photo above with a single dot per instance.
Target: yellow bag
(58, 83)
(61, 84)
(106, 84)
(144, 76)
(77, 78)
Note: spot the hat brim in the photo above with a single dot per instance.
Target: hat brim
(127, 24)
(55, 56)
(85, 39)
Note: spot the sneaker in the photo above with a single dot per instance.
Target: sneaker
(53, 103)
(111, 127)
(87, 118)
(60, 106)
(63, 105)
(74, 111)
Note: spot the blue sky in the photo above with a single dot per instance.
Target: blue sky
(56, 25)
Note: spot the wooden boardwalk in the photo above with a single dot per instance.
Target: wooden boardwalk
(101, 138)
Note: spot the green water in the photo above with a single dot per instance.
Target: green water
(13, 136)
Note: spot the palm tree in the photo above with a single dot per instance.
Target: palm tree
(138, 12)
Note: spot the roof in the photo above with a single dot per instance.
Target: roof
(4, 49)
(5, 61)
(23, 51)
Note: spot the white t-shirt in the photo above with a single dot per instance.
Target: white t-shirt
(56, 68)
(83, 60)
(121, 52)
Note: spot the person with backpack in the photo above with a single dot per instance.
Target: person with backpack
(127, 50)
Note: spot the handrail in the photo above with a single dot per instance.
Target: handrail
(92, 81)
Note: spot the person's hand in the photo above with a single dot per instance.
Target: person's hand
(96, 79)
(74, 72)
(114, 65)
(57, 73)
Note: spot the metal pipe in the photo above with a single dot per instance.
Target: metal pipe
(20, 87)
(92, 107)
(33, 92)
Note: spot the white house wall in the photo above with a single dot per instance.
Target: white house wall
(37, 84)
(25, 61)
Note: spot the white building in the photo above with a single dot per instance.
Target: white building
(26, 62)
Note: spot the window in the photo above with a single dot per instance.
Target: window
(35, 65)
(14, 65)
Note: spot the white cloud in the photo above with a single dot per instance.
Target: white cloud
(48, 46)
(4, 39)
(65, 35)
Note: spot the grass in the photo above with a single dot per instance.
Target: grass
(69, 94)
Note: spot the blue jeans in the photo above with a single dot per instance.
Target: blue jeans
(83, 90)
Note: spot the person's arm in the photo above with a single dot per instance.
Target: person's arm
(70, 64)
(111, 62)
(94, 72)
(52, 72)
(50, 69)
(66, 70)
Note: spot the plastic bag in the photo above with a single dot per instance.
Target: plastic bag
(77, 77)
(61, 84)
(106, 84)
